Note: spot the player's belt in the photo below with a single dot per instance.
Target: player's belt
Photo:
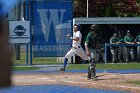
(76, 47)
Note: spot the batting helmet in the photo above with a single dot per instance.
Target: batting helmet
(78, 26)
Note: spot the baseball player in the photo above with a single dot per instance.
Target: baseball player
(121, 52)
(137, 40)
(128, 39)
(91, 44)
(114, 40)
(76, 47)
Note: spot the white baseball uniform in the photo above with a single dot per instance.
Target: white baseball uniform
(76, 47)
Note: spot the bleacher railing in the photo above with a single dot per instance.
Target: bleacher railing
(123, 45)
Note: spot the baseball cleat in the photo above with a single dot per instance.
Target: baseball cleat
(62, 69)
(94, 78)
(88, 76)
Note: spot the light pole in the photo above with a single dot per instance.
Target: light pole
(87, 8)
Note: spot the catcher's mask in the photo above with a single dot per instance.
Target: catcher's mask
(94, 27)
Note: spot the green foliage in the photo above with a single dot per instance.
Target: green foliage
(107, 8)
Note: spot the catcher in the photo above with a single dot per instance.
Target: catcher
(91, 45)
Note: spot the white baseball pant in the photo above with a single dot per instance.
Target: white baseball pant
(79, 51)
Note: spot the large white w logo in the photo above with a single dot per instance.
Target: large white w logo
(50, 17)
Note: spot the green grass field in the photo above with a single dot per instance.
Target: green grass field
(53, 60)
(133, 82)
(84, 67)
(35, 60)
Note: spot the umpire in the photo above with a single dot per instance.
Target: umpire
(91, 44)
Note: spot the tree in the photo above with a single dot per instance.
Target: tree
(126, 8)
(107, 8)
(79, 8)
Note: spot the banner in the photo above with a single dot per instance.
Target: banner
(19, 31)
(52, 22)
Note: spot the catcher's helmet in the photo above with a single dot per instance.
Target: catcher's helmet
(94, 27)
(128, 31)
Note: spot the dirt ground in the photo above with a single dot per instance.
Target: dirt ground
(109, 81)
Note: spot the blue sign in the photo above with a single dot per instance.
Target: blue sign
(52, 22)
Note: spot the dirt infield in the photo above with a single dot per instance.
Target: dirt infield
(109, 81)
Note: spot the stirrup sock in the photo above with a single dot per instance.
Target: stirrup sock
(65, 62)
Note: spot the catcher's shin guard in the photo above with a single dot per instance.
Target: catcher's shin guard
(89, 73)
(91, 70)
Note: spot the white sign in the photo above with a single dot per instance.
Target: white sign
(19, 31)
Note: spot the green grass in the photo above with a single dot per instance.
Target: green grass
(106, 66)
(53, 60)
(35, 60)
(133, 82)
(85, 66)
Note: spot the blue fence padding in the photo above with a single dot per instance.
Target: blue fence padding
(77, 71)
(55, 89)
(35, 72)
(107, 44)
(108, 71)
(124, 71)
(52, 22)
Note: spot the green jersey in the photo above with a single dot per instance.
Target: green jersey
(120, 39)
(114, 40)
(137, 39)
(128, 38)
(92, 40)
